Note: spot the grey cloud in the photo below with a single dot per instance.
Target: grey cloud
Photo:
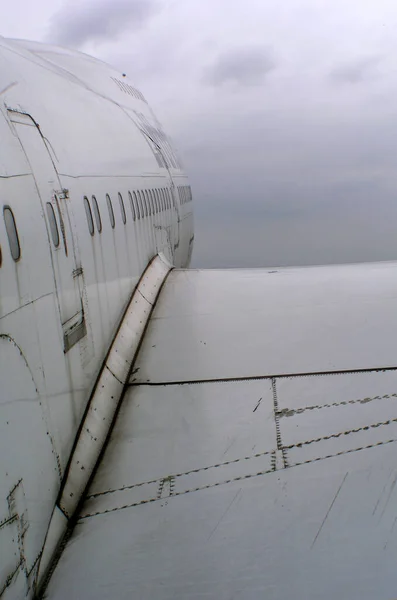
(357, 71)
(74, 25)
(245, 66)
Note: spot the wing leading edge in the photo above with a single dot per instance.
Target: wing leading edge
(254, 452)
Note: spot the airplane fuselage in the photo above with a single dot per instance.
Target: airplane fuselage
(91, 190)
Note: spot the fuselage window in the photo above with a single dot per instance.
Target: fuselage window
(89, 215)
(1, 257)
(137, 208)
(158, 200)
(132, 206)
(164, 198)
(12, 233)
(151, 203)
(110, 209)
(97, 214)
(147, 203)
(53, 224)
(140, 198)
(122, 209)
(167, 192)
(154, 202)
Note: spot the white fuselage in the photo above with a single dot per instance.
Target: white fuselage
(78, 143)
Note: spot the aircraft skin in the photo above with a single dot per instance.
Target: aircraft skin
(70, 128)
(165, 432)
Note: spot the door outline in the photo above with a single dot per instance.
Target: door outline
(65, 261)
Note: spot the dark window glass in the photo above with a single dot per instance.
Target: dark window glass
(140, 198)
(151, 203)
(97, 214)
(89, 215)
(159, 202)
(1, 257)
(168, 194)
(137, 208)
(53, 224)
(162, 192)
(122, 209)
(12, 233)
(132, 205)
(154, 202)
(110, 209)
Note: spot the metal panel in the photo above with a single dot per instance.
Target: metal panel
(278, 486)
(163, 520)
(229, 324)
(66, 259)
(179, 429)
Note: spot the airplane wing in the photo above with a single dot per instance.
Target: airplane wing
(254, 453)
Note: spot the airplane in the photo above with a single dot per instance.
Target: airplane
(168, 432)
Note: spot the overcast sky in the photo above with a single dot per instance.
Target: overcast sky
(284, 114)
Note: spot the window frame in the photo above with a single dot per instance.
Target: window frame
(141, 204)
(97, 214)
(156, 193)
(88, 214)
(111, 211)
(132, 206)
(168, 194)
(122, 208)
(152, 202)
(8, 208)
(147, 203)
(53, 224)
(137, 207)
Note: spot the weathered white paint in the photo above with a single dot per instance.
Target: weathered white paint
(67, 130)
(110, 385)
(282, 485)
(254, 454)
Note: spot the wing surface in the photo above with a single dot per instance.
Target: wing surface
(254, 454)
